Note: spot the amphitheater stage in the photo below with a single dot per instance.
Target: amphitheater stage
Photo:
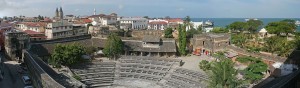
(134, 83)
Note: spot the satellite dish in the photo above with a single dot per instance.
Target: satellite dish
(94, 23)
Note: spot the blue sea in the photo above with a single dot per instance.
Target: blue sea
(223, 22)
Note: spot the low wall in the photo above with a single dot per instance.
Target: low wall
(39, 78)
(258, 55)
(67, 39)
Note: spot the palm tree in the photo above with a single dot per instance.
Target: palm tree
(224, 75)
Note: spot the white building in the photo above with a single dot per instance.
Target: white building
(105, 20)
(135, 23)
(33, 26)
(196, 25)
(60, 29)
(157, 24)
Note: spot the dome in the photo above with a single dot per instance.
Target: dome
(263, 30)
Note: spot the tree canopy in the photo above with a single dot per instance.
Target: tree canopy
(205, 65)
(182, 40)
(113, 46)
(251, 26)
(168, 33)
(224, 75)
(220, 30)
(237, 26)
(67, 54)
(254, 71)
(280, 27)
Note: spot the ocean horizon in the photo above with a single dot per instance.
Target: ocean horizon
(223, 22)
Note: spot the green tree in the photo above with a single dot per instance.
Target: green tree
(220, 30)
(113, 46)
(168, 33)
(280, 27)
(253, 25)
(254, 72)
(67, 55)
(40, 17)
(224, 75)
(187, 22)
(238, 39)
(237, 26)
(204, 65)
(182, 40)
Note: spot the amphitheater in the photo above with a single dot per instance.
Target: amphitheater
(139, 72)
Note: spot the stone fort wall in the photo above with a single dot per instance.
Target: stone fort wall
(141, 33)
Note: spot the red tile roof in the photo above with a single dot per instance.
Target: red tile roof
(47, 20)
(30, 32)
(158, 22)
(34, 24)
(174, 20)
(87, 20)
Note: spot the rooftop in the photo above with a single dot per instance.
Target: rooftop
(151, 38)
(132, 18)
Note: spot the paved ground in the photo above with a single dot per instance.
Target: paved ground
(12, 79)
(134, 83)
(192, 62)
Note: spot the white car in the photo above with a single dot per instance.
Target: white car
(26, 80)
(28, 87)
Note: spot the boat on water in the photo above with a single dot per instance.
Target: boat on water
(297, 23)
(251, 19)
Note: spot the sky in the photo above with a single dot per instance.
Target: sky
(156, 8)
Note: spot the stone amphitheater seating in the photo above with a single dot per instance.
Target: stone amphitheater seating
(97, 74)
(149, 68)
(184, 78)
(165, 72)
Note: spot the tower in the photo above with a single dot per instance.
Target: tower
(94, 11)
(61, 13)
(56, 13)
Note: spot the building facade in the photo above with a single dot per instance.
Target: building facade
(210, 42)
(15, 42)
(59, 29)
(134, 23)
(157, 24)
(104, 20)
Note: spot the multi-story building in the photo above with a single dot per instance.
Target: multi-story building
(105, 20)
(59, 29)
(33, 26)
(210, 42)
(157, 24)
(35, 30)
(174, 22)
(134, 23)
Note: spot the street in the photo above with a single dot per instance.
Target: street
(12, 79)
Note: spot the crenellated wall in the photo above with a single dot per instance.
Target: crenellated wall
(141, 33)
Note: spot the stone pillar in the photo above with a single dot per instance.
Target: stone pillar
(158, 54)
(141, 53)
(149, 54)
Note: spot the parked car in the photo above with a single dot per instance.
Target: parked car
(26, 80)
(28, 87)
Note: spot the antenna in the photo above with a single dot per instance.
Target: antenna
(94, 11)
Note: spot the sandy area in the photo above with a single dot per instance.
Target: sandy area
(192, 62)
